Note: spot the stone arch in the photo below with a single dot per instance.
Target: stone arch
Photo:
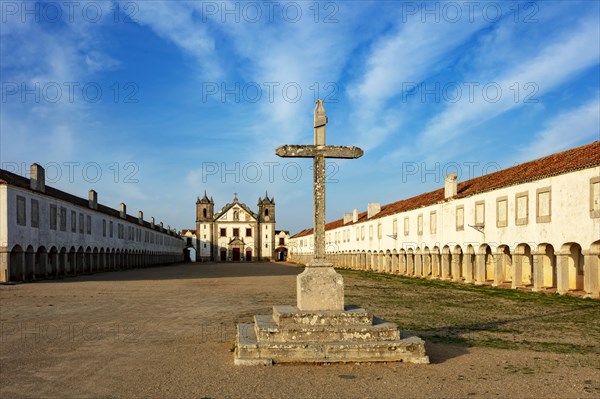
(381, 262)
(469, 264)
(456, 271)
(410, 262)
(87, 263)
(544, 267)
(95, 265)
(63, 262)
(503, 267)
(29, 263)
(53, 262)
(426, 262)
(16, 264)
(591, 271)
(418, 263)
(435, 262)
(522, 268)
(446, 259)
(485, 265)
(569, 268)
(395, 261)
(388, 261)
(40, 263)
(402, 261)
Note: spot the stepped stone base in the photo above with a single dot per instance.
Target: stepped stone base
(348, 335)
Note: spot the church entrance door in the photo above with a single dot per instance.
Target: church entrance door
(223, 255)
(236, 255)
(248, 256)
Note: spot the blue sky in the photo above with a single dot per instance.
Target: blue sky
(151, 103)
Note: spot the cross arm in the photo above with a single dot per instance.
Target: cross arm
(311, 151)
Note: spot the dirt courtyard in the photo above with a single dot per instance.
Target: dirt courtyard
(167, 332)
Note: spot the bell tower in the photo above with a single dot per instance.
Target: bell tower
(205, 232)
(266, 226)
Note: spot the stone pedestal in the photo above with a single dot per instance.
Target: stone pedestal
(348, 335)
(322, 330)
(320, 287)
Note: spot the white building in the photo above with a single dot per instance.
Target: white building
(235, 233)
(45, 232)
(534, 225)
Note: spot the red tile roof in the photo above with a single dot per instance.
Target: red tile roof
(583, 157)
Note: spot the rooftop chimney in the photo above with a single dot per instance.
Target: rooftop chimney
(450, 185)
(373, 209)
(37, 180)
(355, 215)
(140, 217)
(93, 199)
(152, 221)
(123, 210)
(347, 218)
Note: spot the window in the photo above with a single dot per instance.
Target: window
(395, 228)
(480, 213)
(420, 224)
(74, 222)
(120, 232)
(103, 227)
(502, 211)
(21, 211)
(460, 217)
(89, 224)
(595, 197)
(111, 229)
(35, 213)
(204, 212)
(362, 232)
(544, 205)
(266, 212)
(357, 233)
(433, 222)
(522, 208)
(236, 232)
(53, 216)
(248, 232)
(63, 218)
(281, 241)
(81, 223)
(223, 232)
(379, 231)
(236, 215)
(406, 226)
(370, 232)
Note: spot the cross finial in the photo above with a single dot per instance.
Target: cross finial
(320, 122)
(235, 198)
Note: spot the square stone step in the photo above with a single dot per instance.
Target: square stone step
(290, 316)
(268, 331)
(250, 351)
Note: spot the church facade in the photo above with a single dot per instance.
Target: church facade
(235, 233)
(532, 226)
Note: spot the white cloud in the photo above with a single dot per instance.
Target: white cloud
(566, 130)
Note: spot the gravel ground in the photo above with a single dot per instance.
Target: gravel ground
(166, 332)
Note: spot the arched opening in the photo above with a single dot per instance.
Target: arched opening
(469, 264)
(591, 273)
(545, 261)
(503, 271)
(456, 264)
(522, 267)
(63, 262)
(41, 263)
(395, 262)
(402, 261)
(54, 262)
(16, 264)
(426, 262)
(410, 262)
(29, 263)
(435, 263)
(418, 263)
(570, 274)
(446, 259)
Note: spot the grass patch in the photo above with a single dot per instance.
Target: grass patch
(482, 316)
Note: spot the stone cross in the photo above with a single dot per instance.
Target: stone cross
(319, 287)
(319, 151)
